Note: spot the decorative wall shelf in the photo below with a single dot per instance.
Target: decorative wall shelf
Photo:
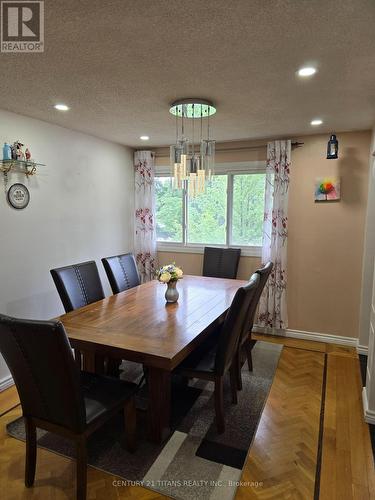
(25, 166)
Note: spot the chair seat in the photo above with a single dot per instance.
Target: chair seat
(200, 364)
(102, 394)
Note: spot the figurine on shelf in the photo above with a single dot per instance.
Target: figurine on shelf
(27, 154)
(7, 152)
(19, 153)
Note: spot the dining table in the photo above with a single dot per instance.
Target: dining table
(139, 325)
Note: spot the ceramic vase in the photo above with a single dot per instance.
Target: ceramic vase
(171, 294)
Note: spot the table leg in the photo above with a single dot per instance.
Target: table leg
(88, 361)
(159, 383)
(93, 363)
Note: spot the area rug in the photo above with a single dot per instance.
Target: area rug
(195, 462)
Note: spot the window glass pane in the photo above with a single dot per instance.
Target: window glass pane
(248, 209)
(207, 214)
(168, 211)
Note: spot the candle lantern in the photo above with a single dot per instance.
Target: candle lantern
(332, 148)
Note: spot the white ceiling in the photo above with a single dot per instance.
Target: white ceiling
(119, 63)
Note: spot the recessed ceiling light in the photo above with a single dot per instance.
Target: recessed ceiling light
(144, 138)
(316, 122)
(61, 107)
(306, 71)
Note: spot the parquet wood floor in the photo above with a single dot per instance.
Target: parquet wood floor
(282, 460)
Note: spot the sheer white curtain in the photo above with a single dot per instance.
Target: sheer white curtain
(145, 230)
(272, 305)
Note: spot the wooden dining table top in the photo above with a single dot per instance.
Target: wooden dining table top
(139, 325)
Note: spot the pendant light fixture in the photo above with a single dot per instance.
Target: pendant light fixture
(192, 158)
(333, 148)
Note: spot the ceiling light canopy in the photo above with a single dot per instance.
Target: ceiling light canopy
(192, 166)
(307, 71)
(61, 107)
(192, 108)
(316, 122)
(145, 138)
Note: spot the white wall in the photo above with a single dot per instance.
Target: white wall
(368, 393)
(80, 209)
(368, 258)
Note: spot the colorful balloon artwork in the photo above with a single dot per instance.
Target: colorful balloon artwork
(327, 189)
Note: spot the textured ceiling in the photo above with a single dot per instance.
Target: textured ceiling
(118, 64)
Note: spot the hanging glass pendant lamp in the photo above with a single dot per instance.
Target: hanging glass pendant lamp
(192, 165)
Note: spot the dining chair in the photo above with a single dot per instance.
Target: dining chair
(221, 262)
(122, 272)
(245, 343)
(79, 285)
(214, 364)
(56, 396)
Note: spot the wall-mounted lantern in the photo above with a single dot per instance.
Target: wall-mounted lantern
(332, 148)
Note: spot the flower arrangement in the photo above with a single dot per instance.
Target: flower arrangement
(169, 273)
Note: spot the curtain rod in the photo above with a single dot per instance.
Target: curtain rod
(259, 146)
(246, 148)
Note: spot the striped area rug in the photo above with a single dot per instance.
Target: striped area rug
(195, 462)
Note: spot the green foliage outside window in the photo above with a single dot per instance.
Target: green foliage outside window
(168, 211)
(248, 209)
(207, 214)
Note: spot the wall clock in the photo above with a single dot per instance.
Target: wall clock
(18, 196)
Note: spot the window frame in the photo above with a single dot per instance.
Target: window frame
(229, 169)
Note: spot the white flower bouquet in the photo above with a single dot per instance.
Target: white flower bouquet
(169, 273)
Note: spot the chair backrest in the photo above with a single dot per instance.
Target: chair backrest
(263, 273)
(234, 324)
(122, 272)
(221, 262)
(39, 356)
(78, 285)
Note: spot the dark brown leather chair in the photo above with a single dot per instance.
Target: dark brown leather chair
(55, 395)
(214, 364)
(78, 285)
(122, 272)
(221, 262)
(245, 344)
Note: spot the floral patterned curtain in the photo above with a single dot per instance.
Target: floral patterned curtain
(272, 305)
(145, 230)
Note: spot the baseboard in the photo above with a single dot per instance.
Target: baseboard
(314, 336)
(362, 349)
(369, 414)
(6, 382)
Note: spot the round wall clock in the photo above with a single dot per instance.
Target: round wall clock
(18, 196)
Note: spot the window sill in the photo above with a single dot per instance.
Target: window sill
(199, 249)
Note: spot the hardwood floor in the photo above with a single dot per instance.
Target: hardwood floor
(282, 461)
(284, 454)
(8, 399)
(347, 463)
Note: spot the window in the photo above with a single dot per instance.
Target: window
(168, 211)
(229, 213)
